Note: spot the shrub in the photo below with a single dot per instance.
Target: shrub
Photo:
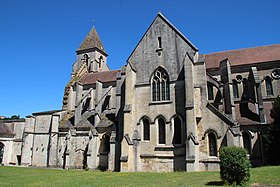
(234, 165)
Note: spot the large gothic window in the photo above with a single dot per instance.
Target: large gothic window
(160, 85)
(212, 144)
(146, 129)
(161, 131)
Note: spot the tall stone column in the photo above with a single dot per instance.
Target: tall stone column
(91, 104)
(27, 146)
(98, 96)
(225, 73)
(127, 156)
(191, 131)
(53, 147)
(70, 106)
(111, 159)
(78, 108)
(228, 100)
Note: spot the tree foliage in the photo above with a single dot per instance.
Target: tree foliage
(271, 136)
(234, 166)
(12, 117)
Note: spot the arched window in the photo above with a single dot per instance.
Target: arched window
(246, 142)
(268, 85)
(85, 58)
(160, 85)
(100, 61)
(245, 95)
(210, 92)
(146, 129)
(105, 144)
(177, 139)
(1, 152)
(212, 144)
(161, 131)
(235, 89)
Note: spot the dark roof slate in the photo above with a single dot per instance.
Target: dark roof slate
(104, 77)
(92, 41)
(244, 56)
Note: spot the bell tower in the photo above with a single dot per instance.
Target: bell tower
(91, 58)
(92, 53)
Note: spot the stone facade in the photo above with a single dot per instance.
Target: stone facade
(168, 109)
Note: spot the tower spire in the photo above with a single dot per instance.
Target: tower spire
(92, 41)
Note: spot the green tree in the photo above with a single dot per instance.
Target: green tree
(271, 136)
(15, 117)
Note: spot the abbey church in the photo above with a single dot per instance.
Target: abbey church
(169, 108)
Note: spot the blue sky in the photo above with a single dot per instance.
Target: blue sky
(38, 39)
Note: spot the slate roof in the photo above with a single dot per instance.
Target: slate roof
(5, 131)
(92, 41)
(244, 56)
(104, 77)
(50, 112)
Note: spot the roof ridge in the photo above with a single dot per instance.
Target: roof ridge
(103, 76)
(104, 71)
(177, 30)
(252, 55)
(241, 49)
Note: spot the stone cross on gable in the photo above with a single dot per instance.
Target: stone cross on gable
(93, 23)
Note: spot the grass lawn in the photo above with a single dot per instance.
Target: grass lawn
(19, 176)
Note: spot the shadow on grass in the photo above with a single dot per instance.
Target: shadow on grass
(215, 183)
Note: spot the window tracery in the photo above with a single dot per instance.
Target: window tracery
(160, 85)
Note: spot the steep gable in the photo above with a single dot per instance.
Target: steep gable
(161, 45)
(161, 16)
